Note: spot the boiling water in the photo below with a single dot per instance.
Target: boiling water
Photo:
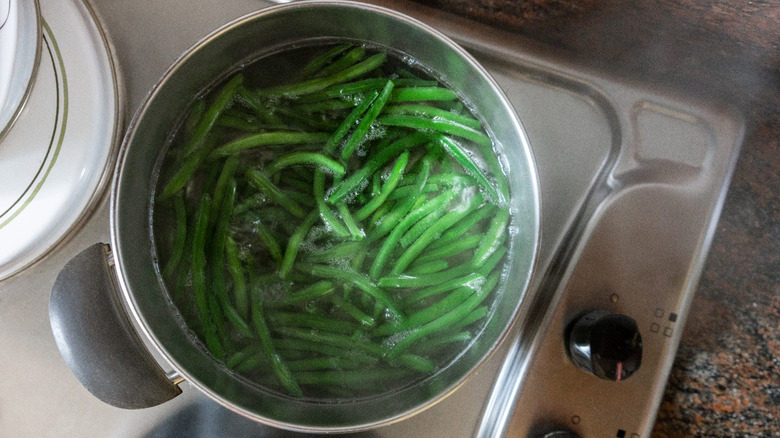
(296, 302)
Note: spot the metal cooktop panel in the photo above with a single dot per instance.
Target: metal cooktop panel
(608, 152)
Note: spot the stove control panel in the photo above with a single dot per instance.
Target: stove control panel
(615, 295)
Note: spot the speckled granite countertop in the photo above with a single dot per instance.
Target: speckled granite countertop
(726, 377)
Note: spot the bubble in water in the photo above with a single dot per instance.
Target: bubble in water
(476, 283)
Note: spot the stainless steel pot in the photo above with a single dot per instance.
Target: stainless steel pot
(108, 304)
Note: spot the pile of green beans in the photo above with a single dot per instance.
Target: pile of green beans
(339, 231)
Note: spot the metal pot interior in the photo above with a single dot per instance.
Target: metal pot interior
(222, 52)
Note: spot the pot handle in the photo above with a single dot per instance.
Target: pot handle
(96, 338)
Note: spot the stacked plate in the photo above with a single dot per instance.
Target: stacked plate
(20, 40)
(60, 116)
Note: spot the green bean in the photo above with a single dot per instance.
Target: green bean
(342, 341)
(411, 218)
(404, 280)
(236, 358)
(220, 306)
(448, 339)
(316, 290)
(414, 362)
(413, 94)
(318, 322)
(396, 215)
(217, 317)
(491, 262)
(355, 231)
(442, 276)
(274, 250)
(432, 111)
(193, 118)
(270, 119)
(373, 164)
(332, 339)
(294, 243)
(323, 59)
(266, 139)
(239, 123)
(395, 175)
(449, 250)
(349, 122)
(317, 346)
(236, 320)
(253, 362)
(442, 322)
(435, 124)
(294, 158)
(406, 191)
(492, 238)
(180, 239)
(350, 58)
(328, 217)
(430, 313)
(240, 111)
(472, 281)
(376, 187)
(278, 366)
(435, 230)
(211, 115)
(317, 84)
(459, 229)
(322, 363)
(262, 183)
(329, 105)
(199, 277)
(453, 179)
(353, 311)
(381, 212)
(339, 251)
(459, 155)
(429, 267)
(348, 91)
(188, 167)
(472, 317)
(419, 228)
(361, 282)
(359, 134)
(240, 291)
(222, 186)
(223, 213)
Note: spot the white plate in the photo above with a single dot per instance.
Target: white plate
(55, 160)
(20, 44)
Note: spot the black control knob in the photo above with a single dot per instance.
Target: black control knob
(606, 344)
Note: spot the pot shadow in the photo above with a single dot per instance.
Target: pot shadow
(206, 419)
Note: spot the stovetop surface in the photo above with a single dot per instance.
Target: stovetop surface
(632, 181)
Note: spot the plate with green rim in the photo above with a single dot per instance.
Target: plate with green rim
(56, 159)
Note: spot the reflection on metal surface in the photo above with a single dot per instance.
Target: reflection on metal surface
(206, 419)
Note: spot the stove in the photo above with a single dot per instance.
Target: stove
(632, 180)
